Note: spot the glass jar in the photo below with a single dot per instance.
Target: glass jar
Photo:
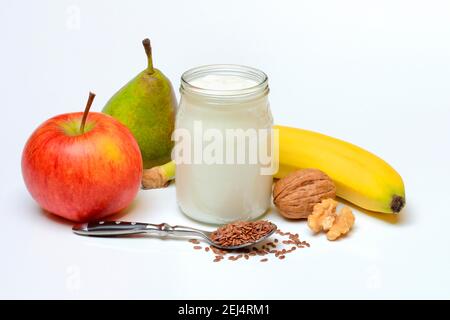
(223, 144)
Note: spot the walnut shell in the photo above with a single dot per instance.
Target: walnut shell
(296, 194)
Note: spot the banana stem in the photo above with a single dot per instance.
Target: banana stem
(158, 177)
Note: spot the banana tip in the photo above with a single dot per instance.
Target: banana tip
(397, 203)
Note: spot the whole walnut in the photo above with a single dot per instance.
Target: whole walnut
(296, 194)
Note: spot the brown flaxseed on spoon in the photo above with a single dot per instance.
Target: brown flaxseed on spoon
(241, 232)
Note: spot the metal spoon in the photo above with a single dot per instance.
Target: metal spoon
(120, 228)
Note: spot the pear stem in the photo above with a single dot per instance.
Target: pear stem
(86, 111)
(148, 52)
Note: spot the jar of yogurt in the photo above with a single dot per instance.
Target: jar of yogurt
(224, 144)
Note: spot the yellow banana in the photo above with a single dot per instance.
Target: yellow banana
(360, 177)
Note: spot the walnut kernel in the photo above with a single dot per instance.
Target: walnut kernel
(324, 217)
(343, 223)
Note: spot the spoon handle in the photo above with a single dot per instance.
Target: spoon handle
(118, 228)
(109, 228)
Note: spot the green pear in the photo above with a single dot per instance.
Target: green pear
(147, 106)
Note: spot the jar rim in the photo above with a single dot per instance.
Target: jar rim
(260, 88)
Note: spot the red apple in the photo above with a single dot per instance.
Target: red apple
(82, 166)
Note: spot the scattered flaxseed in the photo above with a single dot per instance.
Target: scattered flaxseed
(194, 241)
(271, 244)
(206, 249)
(197, 247)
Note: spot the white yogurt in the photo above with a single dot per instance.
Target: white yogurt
(223, 82)
(221, 193)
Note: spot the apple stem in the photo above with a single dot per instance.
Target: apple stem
(148, 52)
(86, 111)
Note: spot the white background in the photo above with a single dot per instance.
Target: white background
(376, 73)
